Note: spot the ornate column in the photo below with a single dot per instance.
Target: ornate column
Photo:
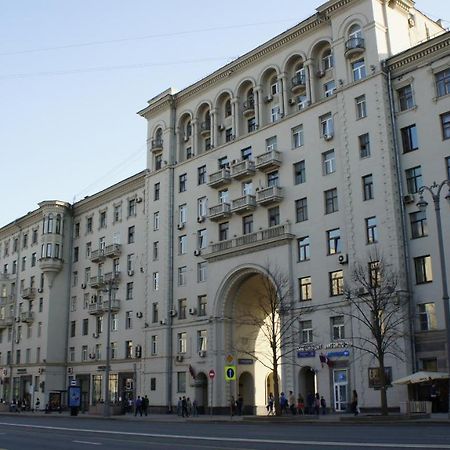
(257, 92)
(284, 94)
(309, 74)
(178, 142)
(235, 114)
(195, 146)
(214, 132)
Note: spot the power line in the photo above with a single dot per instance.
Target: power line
(138, 38)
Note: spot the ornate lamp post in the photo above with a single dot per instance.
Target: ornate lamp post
(435, 191)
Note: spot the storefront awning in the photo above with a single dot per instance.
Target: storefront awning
(421, 377)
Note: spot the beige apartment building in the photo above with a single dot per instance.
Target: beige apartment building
(305, 155)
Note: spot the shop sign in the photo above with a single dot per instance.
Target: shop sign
(309, 347)
(344, 353)
(245, 361)
(21, 370)
(338, 344)
(306, 354)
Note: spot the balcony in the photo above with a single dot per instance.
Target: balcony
(243, 204)
(220, 178)
(6, 322)
(95, 309)
(27, 317)
(268, 161)
(97, 282)
(220, 211)
(248, 107)
(113, 250)
(48, 264)
(242, 169)
(29, 293)
(269, 195)
(205, 128)
(99, 308)
(97, 255)
(354, 46)
(112, 277)
(298, 83)
(259, 240)
(156, 145)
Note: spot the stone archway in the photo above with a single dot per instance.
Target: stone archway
(307, 384)
(201, 392)
(247, 392)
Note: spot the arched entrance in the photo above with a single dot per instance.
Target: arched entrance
(247, 392)
(201, 392)
(270, 388)
(307, 383)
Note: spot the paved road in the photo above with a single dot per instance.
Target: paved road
(73, 433)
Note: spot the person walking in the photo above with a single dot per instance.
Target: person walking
(355, 408)
(283, 403)
(195, 408)
(310, 403)
(323, 405)
(291, 401)
(184, 410)
(189, 406)
(138, 406)
(317, 404)
(300, 405)
(145, 404)
(179, 406)
(270, 401)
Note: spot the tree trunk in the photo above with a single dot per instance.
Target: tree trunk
(383, 390)
(276, 390)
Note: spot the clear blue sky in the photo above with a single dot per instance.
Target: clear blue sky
(73, 73)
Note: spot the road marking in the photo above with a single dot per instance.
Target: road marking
(247, 440)
(87, 442)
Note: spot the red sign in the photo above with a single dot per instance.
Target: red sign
(212, 374)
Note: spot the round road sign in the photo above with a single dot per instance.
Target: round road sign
(212, 374)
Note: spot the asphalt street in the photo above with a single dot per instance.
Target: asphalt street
(21, 432)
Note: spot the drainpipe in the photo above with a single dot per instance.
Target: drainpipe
(403, 213)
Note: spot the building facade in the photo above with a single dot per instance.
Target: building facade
(302, 157)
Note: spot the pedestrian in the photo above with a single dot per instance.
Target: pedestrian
(300, 405)
(179, 406)
(355, 407)
(310, 403)
(195, 408)
(232, 405)
(283, 403)
(240, 405)
(323, 405)
(145, 404)
(138, 406)
(291, 401)
(270, 401)
(184, 410)
(37, 406)
(189, 406)
(317, 404)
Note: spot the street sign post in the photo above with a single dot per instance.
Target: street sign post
(230, 373)
(212, 374)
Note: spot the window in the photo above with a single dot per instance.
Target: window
(371, 230)
(361, 107)
(181, 382)
(251, 124)
(33, 259)
(247, 224)
(367, 187)
(89, 225)
(409, 138)
(75, 254)
(427, 316)
(329, 162)
(182, 275)
(414, 179)
(201, 271)
(227, 108)
(223, 231)
(85, 327)
(155, 315)
(418, 222)
(201, 175)
(445, 125)
(274, 87)
(128, 349)
(202, 341)
(305, 288)
(331, 201)
(182, 302)
(442, 82)
(246, 153)
(299, 172)
(72, 328)
(73, 303)
(202, 207)
(102, 221)
(334, 241)
(130, 263)
(326, 126)
(154, 345)
(422, 265)
(129, 294)
(329, 88)
(128, 320)
(229, 135)
(223, 196)
(88, 249)
(156, 281)
(364, 145)
(156, 191)
(156, 221)
(131, 234)
(188, 152)
(301, 210)
(336, 281)
(158, 161)
(303, 248)
(405, 98)
(182, 182)
(337, 328)
(306, 332)
(181, 342)
(247, 188)
(202, 302)
(297, 136)
(34, 236)
(202, 238)
(131, 207)
(374, 274)
(182, 244)
(113, 350)
(359, 70)
(117, 213)
(327, 59)
(273, 179)
(273, 216)
(275, 113)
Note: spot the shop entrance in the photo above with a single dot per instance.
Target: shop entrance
(247, 392)
(201, 392)
(340, 381)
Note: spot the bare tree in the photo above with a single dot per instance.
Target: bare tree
(271, 318)
(377, 305)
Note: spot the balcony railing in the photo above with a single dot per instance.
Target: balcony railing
(156, 145)
(113, 250)
(97, 255)
(266, 238)
(354, 46)
(248, 107)
(269, 195)
(298, 83)
(242, 169)
(27, 316)
(97, 282)
(99, 308)
(268, 161)
(243, 204)
(6, 322)
(205, 128)
(220, 211)
(219, 178)
(29, 293)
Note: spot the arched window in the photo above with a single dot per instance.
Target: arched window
(158, 134)
(58, 224)
(327, 59)
(50, 223)
(355, 32)
(228, 108)
(300, 73)
(274, 85)
(188, 129)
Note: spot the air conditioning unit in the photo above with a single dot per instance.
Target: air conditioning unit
(320, 73)
(200, 219)
(40, 290)
(270, 147)
(197, 252)
(235, 161)
(139, 200)
(179, 358)
(343, 259)
(163, 322)
(95, 335)
(202, 353)
(83, 286)
(173, 312)
(130, 273)
(70, 370)
(41, 370)
(139, 315)
(328, 136)
(268, 98)
(292, 101)
(192, 311)
(180, 226)
(221, 127)
(408, 199)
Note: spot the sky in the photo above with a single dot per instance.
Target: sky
(74, 73)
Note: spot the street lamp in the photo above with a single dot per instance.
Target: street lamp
(435, 192)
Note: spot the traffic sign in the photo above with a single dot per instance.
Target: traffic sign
(230, 359)
(230, 373)
(212, 373)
